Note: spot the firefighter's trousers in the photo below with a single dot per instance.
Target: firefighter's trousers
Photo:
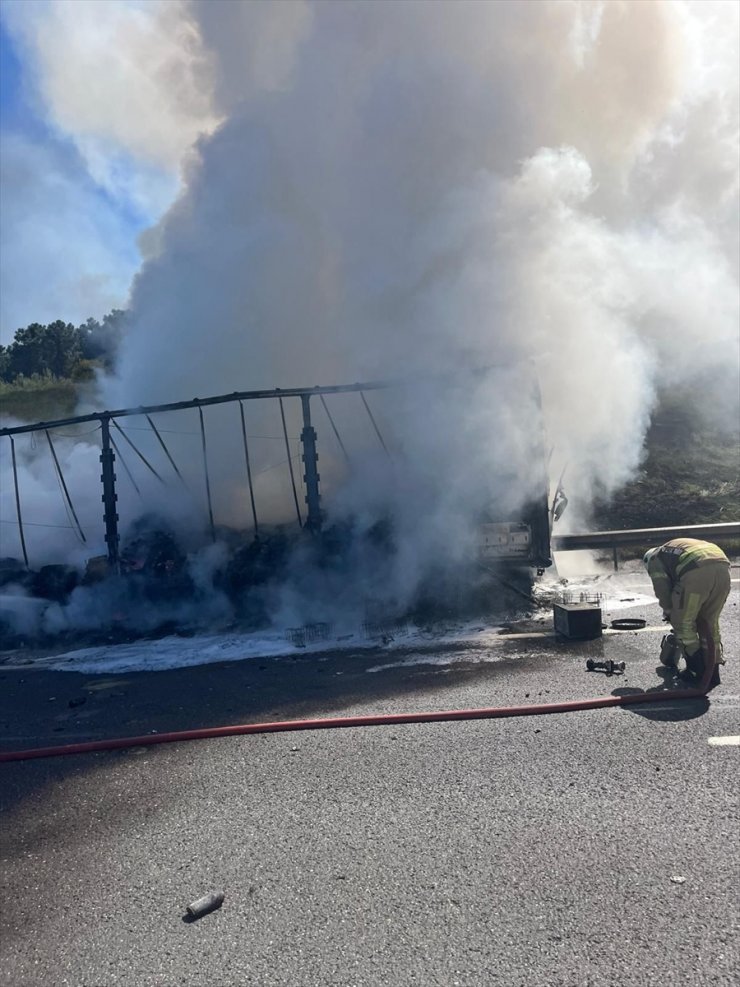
(700, 594)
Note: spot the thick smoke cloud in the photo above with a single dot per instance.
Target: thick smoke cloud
(418, 186)
(415, 188)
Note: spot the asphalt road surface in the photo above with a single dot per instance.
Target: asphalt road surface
(589, 848)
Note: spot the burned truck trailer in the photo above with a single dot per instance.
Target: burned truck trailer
(521, 537)
(525, 542)
(518, 538)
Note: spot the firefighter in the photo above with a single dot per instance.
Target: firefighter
(691, 579)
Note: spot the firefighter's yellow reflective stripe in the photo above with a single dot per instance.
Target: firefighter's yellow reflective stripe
(699, 553)
(686, 630)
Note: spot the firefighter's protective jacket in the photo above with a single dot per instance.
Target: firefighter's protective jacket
(666, 565)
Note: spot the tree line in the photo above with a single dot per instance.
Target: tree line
(61, 350)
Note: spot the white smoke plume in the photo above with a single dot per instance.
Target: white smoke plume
(128, 82)
(403, 190)
(418, 187)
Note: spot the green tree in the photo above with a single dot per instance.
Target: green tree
(52, 350)
(61, 350)
(100, 340)
(27, 352)
(63, 347)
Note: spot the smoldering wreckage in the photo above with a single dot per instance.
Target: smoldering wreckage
(155, 592)
(569, 220)
(150, 584)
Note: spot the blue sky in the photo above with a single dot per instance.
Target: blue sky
(10, 81)
(68, 245)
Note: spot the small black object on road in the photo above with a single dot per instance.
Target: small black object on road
(608, 666)
(628, 624)
(208, 903)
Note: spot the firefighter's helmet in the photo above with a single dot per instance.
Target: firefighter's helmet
(649, 555)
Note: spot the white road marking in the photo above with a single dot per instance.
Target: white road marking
(607, 632)
(636, 630)
(647, 586)
(525, 635)
(724, 741)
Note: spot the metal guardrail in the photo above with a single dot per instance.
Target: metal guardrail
(644, 536)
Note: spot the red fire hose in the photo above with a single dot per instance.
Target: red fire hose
(331, 723)
(385, 719)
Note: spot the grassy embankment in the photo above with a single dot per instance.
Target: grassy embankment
(38, 399)
(690, 475)
(42, 398)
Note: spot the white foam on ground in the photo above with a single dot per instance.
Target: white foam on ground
(178, 652)
(619, 591)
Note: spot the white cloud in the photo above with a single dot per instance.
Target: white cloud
(64, 252)
(126, 84)
(121, 76)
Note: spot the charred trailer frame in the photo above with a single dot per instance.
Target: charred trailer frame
(522, 541)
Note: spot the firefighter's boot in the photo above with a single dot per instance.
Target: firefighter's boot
(695, 667)
(669, 649)
(715, 679)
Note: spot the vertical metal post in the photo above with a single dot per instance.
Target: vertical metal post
(205, 470)
(109, 498)
(540, 518)
(249, 471)
(310, 460)
(289, 454)
(18, 501)
(63, 485)
(615, 551)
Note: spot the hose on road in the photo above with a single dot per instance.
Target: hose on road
(381, 719)
(332, 723)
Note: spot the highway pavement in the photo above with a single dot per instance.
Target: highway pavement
(589, 848)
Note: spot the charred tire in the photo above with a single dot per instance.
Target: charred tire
(628, 624)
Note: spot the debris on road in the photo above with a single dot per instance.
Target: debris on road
(608, 666)
(577, 621)
(628, 624)
(208, 903)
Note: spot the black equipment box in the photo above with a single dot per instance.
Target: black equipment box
(580, 621)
